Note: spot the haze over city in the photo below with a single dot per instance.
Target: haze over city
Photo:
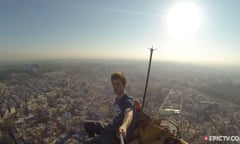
(193, 31)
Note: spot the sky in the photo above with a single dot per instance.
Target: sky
(196, 31)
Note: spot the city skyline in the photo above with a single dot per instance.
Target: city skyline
(193, 31)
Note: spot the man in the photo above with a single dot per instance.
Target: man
(124, 118)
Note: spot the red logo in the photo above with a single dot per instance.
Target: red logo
(205, 138)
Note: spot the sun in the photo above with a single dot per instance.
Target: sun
(183, 19)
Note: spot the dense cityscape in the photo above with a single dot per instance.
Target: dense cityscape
(41, 101)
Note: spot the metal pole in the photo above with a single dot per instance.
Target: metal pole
(146, 84)
(121, 139)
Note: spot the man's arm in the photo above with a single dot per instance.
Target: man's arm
(127, 120)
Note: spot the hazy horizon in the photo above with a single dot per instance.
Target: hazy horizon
(199, 32)
(135, 62)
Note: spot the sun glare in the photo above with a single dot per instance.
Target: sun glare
(183, 19)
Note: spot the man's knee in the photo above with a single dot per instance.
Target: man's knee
(93, 127)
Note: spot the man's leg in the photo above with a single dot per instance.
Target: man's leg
(106, 137)
(94, 127)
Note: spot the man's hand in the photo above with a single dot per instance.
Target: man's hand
(122, 131)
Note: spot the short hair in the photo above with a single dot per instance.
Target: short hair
(119, 75)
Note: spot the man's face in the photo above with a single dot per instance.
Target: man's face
(118, 87)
